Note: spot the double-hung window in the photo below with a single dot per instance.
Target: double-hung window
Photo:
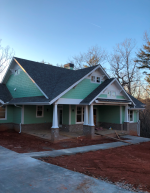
(80, 114)
(39, 111)
(95, 79)
(130, 116)
(2, 113)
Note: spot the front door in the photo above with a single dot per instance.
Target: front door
(94, 114)
(60, 117)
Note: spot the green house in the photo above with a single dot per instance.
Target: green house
(36, 95)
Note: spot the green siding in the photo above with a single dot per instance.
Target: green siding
(73, 114)
(24, 86)
(65, 114)
(9, 115)
(30, 114)
(17, 115)
(83, 89)
(135, 116)
(123, 114)
(109, 114)
(120, 97)
(103, 95)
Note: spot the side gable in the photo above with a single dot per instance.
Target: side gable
(20, 85)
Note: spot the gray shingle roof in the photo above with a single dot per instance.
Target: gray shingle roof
(22, 100)
(51, 79)
(138, 104)
(93, 94)
(5, 95)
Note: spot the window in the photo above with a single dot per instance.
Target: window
(111, 93)
(98, 80)
(80, 114)
(2, 112)
(39, 111)
(93, 78)
(130, 116)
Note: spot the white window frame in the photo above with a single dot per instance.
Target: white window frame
(42, 111)
(96, 79)
(5, 114)
(82, 114)
(110, 96)
(129, 116)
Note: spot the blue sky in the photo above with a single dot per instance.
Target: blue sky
(55, 30)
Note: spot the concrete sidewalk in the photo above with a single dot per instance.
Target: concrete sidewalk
(70, 151)
(20, 173)
(23, 174)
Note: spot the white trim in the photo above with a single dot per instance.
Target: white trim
(86, 115)
(55, 117)
(120, 114)
(102, 102)
(129, 116)
(1, 119)
(76, 84)
(31, 78)
(81, 114)
(102, 91)
(125, 91)
(91, 121)
(2, 102)
(7, 70)
(42, 111)
(68, 101)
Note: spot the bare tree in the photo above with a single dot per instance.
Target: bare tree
(92, 57)
(123, 66)
(6, 55)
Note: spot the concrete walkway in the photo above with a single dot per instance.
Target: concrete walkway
(70, 151)
(20, 173)
(23, 174)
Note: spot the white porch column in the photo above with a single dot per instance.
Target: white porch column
(86, 116)
(91, 122)
(126, 113)
(55, 116)
(120, 114)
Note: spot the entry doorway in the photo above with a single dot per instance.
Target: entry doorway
(95, 116)
(60, 117)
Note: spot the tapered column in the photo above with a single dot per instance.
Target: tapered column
(55, 116)
(55, 128)
(126, 121)
(86, 115)
(91, 121)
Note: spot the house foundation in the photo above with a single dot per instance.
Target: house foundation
(54, 135)
(89, 131)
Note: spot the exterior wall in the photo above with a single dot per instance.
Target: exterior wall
(73, 114)
(17, 115)
(32, 127)
(30, 114)
(114, 126)
(83, 89)
(65, 114)
(109, 114)
(24, 86)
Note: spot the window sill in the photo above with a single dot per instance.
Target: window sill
(79, 122)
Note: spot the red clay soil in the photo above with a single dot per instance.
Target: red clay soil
(129, 165)
(24, 143)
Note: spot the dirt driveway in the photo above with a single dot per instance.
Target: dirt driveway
(128, 164)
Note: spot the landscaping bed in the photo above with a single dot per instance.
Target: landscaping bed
(25, 143)
(122, 165)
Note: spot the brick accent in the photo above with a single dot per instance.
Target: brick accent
(6, 126)
(88, 131)
(54, 135)
(72, 128)
(25, 127)
(114, 126)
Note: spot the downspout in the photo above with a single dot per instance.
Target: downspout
(21, 116)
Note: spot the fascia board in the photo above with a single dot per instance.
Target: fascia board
(102, 90)
(56, 98)
(125, 92)
(30, 103)
(7, 70)
(31, 78)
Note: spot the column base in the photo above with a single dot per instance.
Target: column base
(126, 126)
(54, 135)
(88, 131)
